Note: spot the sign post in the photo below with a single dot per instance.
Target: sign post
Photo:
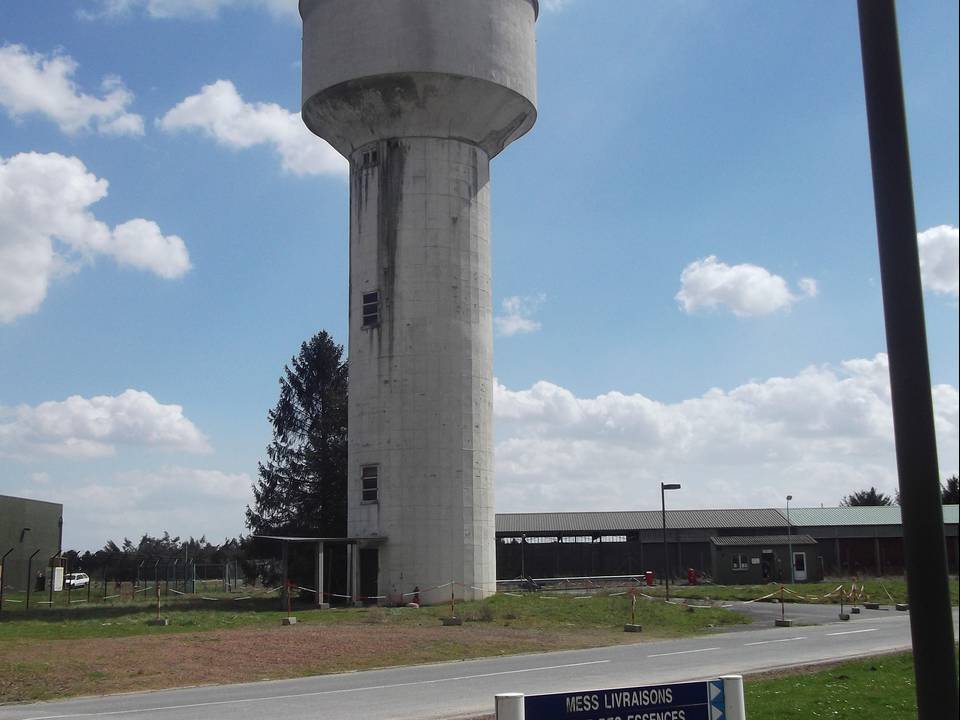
(716, 699)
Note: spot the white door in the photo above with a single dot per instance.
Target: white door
(799, 566)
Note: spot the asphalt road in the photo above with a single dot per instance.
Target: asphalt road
(467, 688)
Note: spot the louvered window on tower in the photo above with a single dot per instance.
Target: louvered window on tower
(370, 483)
(371, 309)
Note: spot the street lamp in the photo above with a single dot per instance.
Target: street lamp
(790, 541)
(663, 515)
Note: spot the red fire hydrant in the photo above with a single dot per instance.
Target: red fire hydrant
(691, 576)
(648, 577)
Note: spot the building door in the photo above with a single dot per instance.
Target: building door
(767, 563)
(800, 566)
(369, 569)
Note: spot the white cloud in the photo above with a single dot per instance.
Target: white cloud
(36, 83)
(818, 435)
(80, 427)
(190, 9)
(555, 5)
(940, 259)
(184, 501)
(745, 289)
(518, 312)
(219, 112)
(46, 230)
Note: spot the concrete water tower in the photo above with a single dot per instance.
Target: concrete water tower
(419, 96)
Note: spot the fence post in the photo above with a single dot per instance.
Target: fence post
(735, 707)
(509, 706)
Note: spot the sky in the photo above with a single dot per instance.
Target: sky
(685, 270)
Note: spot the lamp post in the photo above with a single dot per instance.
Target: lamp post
(790, 542)
(663, 515)
(523, 559)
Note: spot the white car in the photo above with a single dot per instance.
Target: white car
(76, 580)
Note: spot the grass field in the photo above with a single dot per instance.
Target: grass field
(878, 687)
(48, 654)
(882, 590)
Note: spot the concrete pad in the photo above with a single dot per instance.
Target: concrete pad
(783, 622)
(903, 607)
(159, 622)
(844, 616)
(632, 628)
(855, 610)
(872, 606)
(288, 621)
(452, 621)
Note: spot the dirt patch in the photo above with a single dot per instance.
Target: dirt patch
(42, 670)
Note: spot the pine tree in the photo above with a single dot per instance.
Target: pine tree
(302, 485)
(862, 498)
(950, 494)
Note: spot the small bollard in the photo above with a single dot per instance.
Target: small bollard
(509, 706)
(735, 705)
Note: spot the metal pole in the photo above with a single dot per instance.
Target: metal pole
(523, 558)
(931, 623)
(666, 555)
(52, 575)
(3, 561)
(30, 575)
(793, 578)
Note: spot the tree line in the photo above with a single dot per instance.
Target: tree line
(949, 495)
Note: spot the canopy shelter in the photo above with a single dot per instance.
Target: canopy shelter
(353, 565)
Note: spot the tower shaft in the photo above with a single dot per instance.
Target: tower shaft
(420, 405)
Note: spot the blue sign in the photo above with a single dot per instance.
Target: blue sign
(679, 701)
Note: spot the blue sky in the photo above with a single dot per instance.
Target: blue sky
(684, 256)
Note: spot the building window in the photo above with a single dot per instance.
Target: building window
(371, 308)
(740, 562)
(369, 158)
(370, 483)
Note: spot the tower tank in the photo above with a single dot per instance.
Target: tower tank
(419, 95)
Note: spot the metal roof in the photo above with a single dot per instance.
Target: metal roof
(757, 540)
(632, 520)
(864, 515)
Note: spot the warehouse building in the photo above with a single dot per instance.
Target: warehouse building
(29, 539)
(731, 546)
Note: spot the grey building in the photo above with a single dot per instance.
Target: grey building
(847, 541)
(621, 543)
(754, 559)
(27, 528)
(866, 540)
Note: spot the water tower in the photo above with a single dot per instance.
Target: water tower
(419, 96)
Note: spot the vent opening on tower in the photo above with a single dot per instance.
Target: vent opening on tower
(370, 483)
(371, 309)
